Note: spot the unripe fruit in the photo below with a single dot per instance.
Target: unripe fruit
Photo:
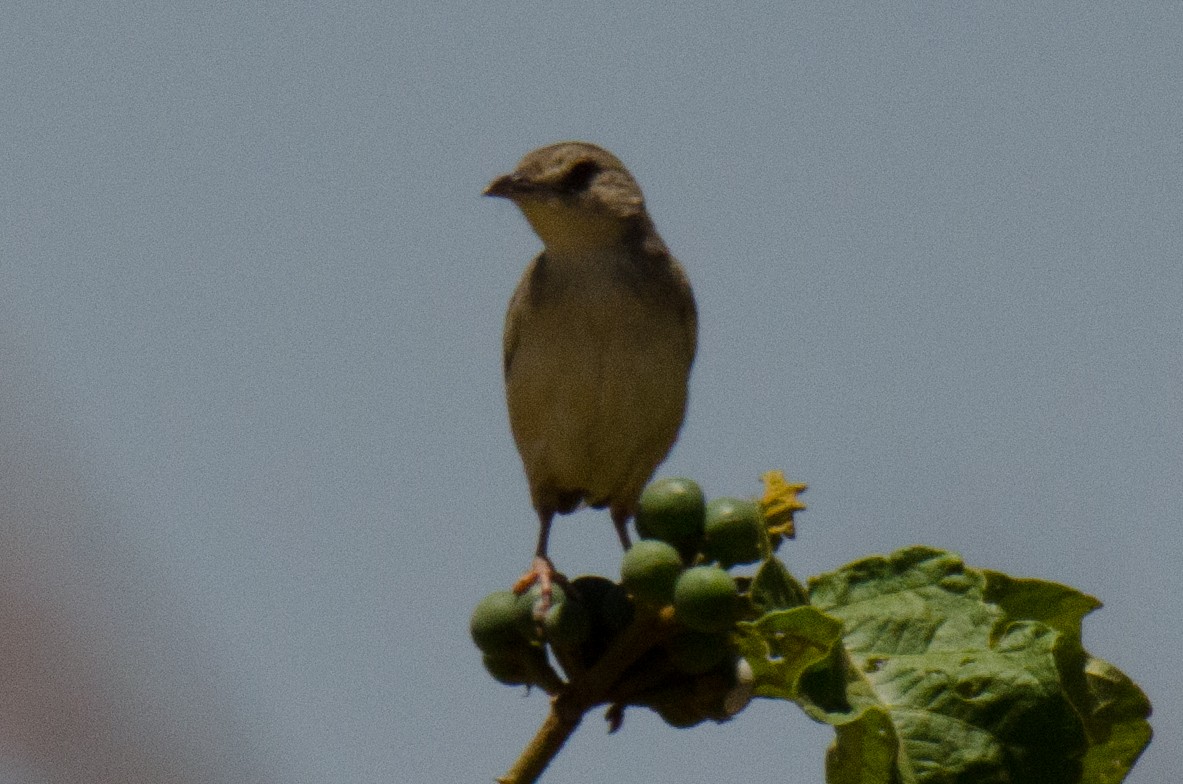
(509, 667)
(697, 652)
(494, 623)
(606, 602)
(671, 509)
(694, 698)
(680, 715)
(521, 666)
(528, 622)
(566, 624)
(648, 571)
(734, 532)
(705, 599)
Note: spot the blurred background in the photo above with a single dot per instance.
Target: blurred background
(255, 465)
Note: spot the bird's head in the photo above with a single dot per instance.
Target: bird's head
(574, 194)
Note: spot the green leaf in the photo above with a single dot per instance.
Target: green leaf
(774, 588)
(780, 645)
(1112, 707)
(866, 750)
(1059, 606)
(951, 674)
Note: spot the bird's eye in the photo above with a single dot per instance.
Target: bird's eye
(579, 176)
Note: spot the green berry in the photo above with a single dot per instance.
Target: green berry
(521, 666)
(734, 532)
(705, 599)
(617, 611)
(528, 623)
(608, 608)
(680, 715)
(648, 571)
(567, 624)
(606, 602)
(509, 667)
(494, 623)
(697, 652)
(671, 509)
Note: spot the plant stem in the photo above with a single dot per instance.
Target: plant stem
(587, 689)
(551, 736)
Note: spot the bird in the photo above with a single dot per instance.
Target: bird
(600, 336)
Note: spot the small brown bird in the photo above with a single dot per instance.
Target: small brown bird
(599, 340)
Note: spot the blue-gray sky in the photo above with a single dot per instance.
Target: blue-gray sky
(256, 467)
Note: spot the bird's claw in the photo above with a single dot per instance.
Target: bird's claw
(541, 573)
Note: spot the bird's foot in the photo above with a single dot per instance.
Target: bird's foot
(541, 572)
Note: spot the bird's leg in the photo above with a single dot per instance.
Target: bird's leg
(541, 570)
(620, 518)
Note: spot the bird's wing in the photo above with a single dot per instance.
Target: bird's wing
(514, 315)
(687, 308)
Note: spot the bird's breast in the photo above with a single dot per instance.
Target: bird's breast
(597, 382)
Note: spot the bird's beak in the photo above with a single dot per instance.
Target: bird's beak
(507, 186)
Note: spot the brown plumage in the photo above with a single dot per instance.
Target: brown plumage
(599, 338)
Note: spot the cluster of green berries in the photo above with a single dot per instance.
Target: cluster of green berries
(692, 672)
(686, 547)
(585, 614)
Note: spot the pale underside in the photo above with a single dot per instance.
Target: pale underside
(596, 385)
